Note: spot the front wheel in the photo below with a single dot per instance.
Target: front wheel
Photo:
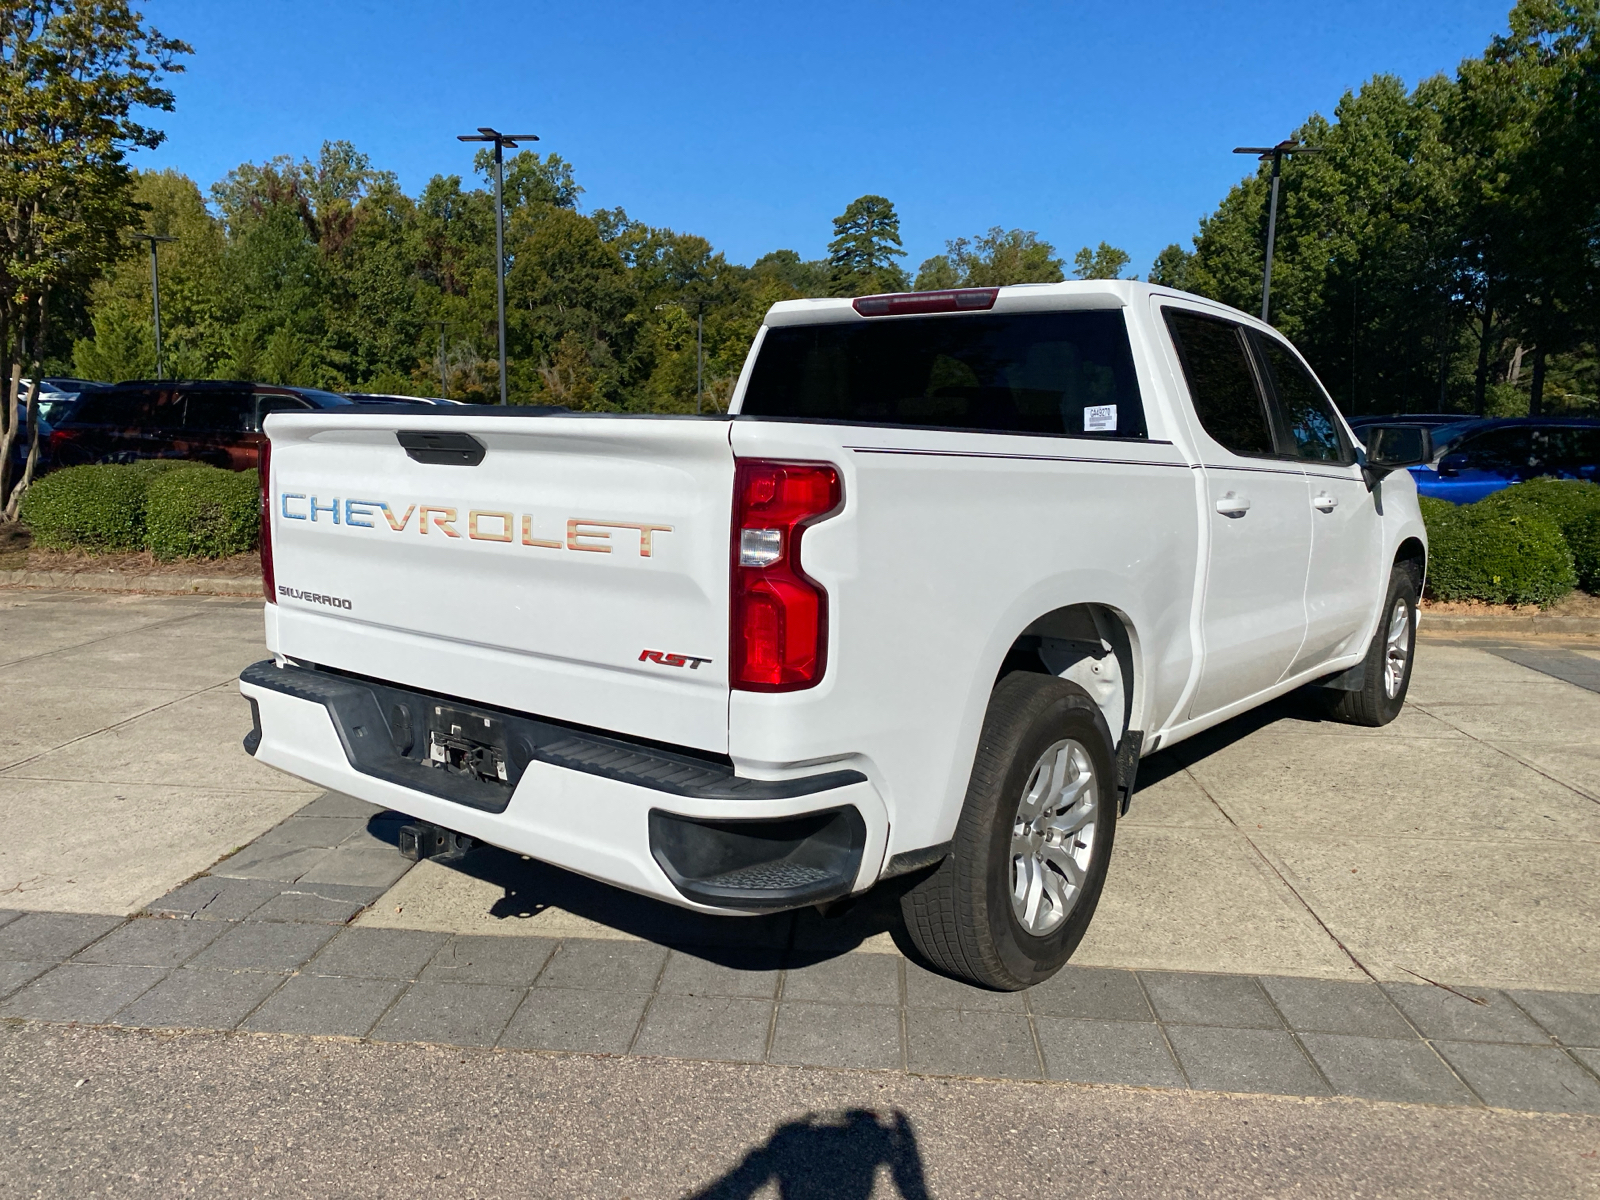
(1013, 899)
(1387, 667)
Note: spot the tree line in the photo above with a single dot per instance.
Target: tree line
(326, 273)
(1440, 250)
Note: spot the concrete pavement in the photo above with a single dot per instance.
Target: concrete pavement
(1282, 890)
(120, 772)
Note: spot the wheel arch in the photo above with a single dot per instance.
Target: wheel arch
(1092, 644)
(1413, 555)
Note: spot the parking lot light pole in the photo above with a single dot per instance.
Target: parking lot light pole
(1275, 153)
(501, 141)
(444, 386)
(155, 287)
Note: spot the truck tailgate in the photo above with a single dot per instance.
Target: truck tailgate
(577, 571)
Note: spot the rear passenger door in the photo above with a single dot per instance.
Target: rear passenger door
(1343, 580)
(1253, 617)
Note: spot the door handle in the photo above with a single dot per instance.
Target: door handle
(1232, 505)
(1324, 502)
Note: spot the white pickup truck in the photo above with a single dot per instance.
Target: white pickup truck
(915, 607)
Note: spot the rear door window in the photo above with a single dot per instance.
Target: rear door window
(1307, 414)
(1503, 450)
(1063, 373)
(219, 412)
(1222, 381)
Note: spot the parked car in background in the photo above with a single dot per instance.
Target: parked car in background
(211, 421)
(1431, 421)
(58, 396)
(1473, 459)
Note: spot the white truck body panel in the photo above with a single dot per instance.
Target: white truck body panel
(466, 606)
(600, 538)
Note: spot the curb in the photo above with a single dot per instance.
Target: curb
(111, 581)
(1530, 626)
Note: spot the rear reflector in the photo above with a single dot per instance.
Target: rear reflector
(779, 616)
(268, 583)
(905, 304)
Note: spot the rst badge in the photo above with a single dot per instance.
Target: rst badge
(672, 660)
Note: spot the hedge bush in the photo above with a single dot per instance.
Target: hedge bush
(88, 508)
(171, 506)
(1583, 538)
(205, 512)
(1501, 553)
(1566, 503)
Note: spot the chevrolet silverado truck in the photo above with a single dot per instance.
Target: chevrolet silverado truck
(914, 607)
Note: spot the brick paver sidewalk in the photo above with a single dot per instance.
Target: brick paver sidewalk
(262, 944)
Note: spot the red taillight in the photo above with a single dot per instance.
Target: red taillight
(779, 619)
(264, 464)
(906, 304)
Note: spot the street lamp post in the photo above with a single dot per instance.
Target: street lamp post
(155, 287)
(1275, 153)
(444, 386)
(501, 141)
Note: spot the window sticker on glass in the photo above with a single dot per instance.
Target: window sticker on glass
(1100, 418)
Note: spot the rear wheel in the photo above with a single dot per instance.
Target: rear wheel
(1387, 672)
(1012, 901)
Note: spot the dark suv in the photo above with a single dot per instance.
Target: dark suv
(212, 421)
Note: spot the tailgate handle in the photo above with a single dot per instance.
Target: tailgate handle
(441, 449)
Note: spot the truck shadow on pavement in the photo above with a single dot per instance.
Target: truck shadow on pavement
(821, 1158)
(1300, 707)
(529, 889)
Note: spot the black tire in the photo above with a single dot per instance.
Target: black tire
(961, 916)
(1373, 704)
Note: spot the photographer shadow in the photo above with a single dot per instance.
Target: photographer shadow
(817, 1158)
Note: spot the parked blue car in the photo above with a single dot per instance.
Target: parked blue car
(1473, 459)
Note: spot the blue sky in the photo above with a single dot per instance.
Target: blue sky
(753, 124)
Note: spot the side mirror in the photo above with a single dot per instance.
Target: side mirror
(1453, 464)
(1395, 447)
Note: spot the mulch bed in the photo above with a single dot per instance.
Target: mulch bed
(17, 553)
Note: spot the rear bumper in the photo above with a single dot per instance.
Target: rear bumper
(680, 829)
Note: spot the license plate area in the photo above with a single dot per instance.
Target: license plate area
(467, 742)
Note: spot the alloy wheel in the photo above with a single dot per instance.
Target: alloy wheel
(1052, 837)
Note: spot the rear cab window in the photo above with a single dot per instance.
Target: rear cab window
(1066, 374)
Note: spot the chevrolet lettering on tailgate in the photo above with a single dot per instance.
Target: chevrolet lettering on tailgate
(483, 525)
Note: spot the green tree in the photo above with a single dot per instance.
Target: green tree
(1529, 116)
(193, 327)
(1172, 269)
(1105, 261)
(72, 75)
(996, 258)
(866, 242)
(1362, 277)
(788, 270)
